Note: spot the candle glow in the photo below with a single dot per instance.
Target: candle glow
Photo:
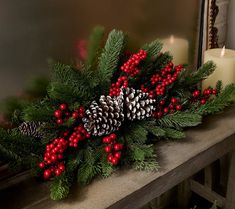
(222, 52)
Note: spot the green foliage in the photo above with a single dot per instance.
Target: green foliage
(72, 85)
(180, 120)
(39, 111)
(106, 168)
(89, 167)
(219, 86)
(151, 127)
(136, 133)
(108, 61)
(218, 103)
(147, 165)
(60, 186)
(153, 49)
(191, 79)
(174, 134)
(141, 152)
(94, 45)
(18, 150)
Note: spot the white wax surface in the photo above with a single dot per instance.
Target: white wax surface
(225, 67)
(178, 48)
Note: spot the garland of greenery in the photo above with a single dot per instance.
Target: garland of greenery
(149, 98)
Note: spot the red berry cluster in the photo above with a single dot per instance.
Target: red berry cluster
(79, 113)
(167, 77)
(165, 109)
(112, 148)
(203, 97)
(115, 88)
(143, 88)
(63, 113)
(130, 67)
(52, 156)
(78, 135)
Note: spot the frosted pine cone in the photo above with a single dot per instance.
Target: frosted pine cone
(31, 129)
(138, 105)
(104, 117)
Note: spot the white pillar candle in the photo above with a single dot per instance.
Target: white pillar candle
(225, 66)
(178, 48)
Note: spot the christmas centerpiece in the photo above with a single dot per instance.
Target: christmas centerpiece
(109, 112)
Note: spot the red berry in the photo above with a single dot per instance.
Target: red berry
(58, 172)
(53, 158)
(178, 107)
(203, 101)
(106, 140)
(61, 167)
(47, 174)
(108, 149)
(117, 155)
(173, 100)
(63, 106)
(110, 157)
(41, 165)
(166, 110)
(114, 161)
(118, 147)
(214, 91)
(59, 121)
(58, 114)
(81, 109)
(162, 102)
(75, 115)
(113, 136)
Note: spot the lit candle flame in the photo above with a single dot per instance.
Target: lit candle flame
(172, 39)
(222, 52)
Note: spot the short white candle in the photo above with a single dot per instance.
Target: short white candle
(178, 48)
(225, 66)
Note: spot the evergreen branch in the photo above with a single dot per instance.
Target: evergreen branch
(59, 188)
(190, 79)
(174, 134)
(90, 167)
(153, 49)
(108, 61)
(147, 165)
(106, 168)
(152, 128)
(136, 134)
(141, 152)
(72, 85)
(42, 111)
(219, 86)
(180, 120)
(95, 41)
(7, 155)
(218, 103)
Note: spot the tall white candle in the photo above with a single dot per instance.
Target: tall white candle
(178, 48)
(225, 66)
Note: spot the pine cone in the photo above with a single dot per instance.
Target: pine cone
(138, 105)
(104, 117)
(31, 129)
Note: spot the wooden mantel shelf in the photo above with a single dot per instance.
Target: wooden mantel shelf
(128, 189)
